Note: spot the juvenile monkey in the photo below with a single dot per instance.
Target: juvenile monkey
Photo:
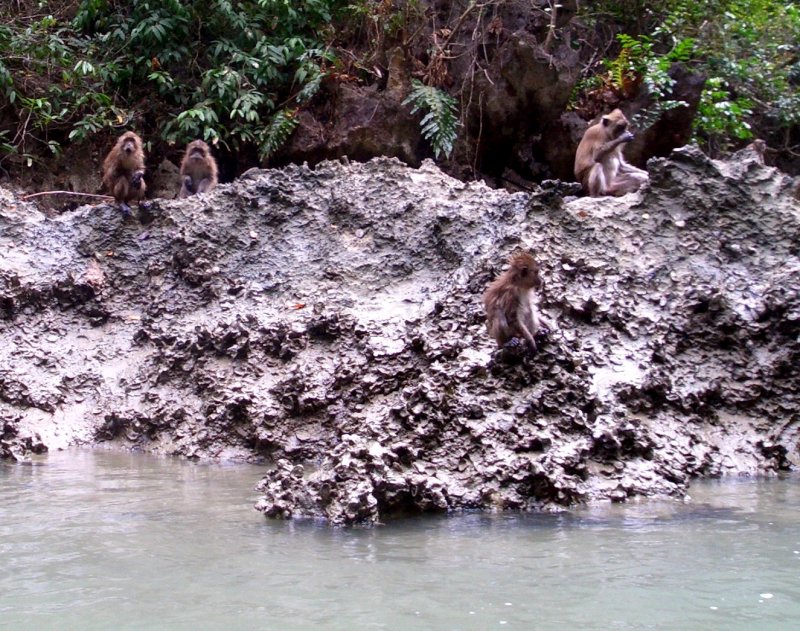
(198, 169)
(599, 164)
(511, 304)
(756, 149)
(760, 148)
(123, 171)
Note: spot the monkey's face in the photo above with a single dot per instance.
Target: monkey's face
(525, 272)
(615, 124)
(529, 278)
(198, 150)
(128, 145)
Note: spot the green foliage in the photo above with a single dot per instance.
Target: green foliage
(642, 61)
(721, 117)
(381, 20)
(276, 133)
(749, 51)
(43, 85)
(221, 69)
(638, 62)
(440, 122)
(747, 48)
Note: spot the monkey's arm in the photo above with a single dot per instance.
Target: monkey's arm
(546, 326)
(526, 331)
(605, 149)
(136, 179)
(497, 325)
(187, 188)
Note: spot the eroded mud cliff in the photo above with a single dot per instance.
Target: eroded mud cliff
(329, 322)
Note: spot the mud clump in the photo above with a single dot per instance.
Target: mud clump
(14, 446)
(329, 324)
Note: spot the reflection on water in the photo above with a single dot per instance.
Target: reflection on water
(99, 540)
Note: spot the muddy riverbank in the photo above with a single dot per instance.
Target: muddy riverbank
(329, 323)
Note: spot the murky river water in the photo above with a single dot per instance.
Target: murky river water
(98, 540)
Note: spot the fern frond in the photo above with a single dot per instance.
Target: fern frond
(440, 123)
(277, 132)
(311, 88)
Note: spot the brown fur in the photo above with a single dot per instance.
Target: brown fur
(510, 302)
(599, 164)
(198, 169)
(123, 170)
(760, 147)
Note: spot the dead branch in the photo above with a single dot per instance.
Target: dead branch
(551, 31)
(73, 193)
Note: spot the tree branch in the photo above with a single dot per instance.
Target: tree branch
(92, 195)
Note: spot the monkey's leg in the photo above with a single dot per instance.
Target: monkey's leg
(202, 187)
(626, 183)
(626, 168)
(639, 177)
(186, 187)
(120, 191)
(498, 327)
(121, 196)
(596, 182)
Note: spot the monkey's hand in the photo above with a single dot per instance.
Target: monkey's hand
(136, 179)
(514, 350)
(626, 137)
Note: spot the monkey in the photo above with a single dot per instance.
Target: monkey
(599, 164)
(759, 147)
(755, 150)
(123, 171)
(511, 303)
(198, 169)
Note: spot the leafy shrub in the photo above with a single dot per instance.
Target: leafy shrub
(226, 71)
(637, 64)
(45, 88)
(748, 50)
(222, 67)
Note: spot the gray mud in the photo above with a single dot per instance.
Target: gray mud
(329, 323)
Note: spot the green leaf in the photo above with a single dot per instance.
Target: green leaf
(281, 126)
(439, 124)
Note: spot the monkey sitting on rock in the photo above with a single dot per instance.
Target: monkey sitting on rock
(511, 303)
(123, 171)
(198, 169)
(599, 164)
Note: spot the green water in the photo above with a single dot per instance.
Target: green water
(99, 540)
